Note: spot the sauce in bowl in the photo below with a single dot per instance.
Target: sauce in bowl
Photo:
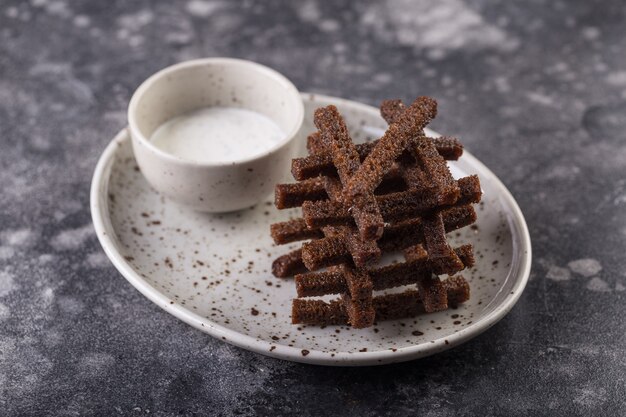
(217, 134)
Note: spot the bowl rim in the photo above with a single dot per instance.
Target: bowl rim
(138, 137)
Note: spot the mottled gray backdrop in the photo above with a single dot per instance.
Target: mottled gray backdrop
(535, 89)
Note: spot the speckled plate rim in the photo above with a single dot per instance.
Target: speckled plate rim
(521, 246)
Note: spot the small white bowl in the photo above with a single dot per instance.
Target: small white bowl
(214, 186)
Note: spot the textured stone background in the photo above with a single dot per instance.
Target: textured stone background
(536, 89)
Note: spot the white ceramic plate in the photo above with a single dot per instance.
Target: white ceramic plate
(214, 271)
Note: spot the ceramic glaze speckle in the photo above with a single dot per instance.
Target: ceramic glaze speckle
(214, 270)
(217, 134)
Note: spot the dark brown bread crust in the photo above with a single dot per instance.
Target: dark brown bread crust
(334, 135)
(426, 156)
(394, 207)
(294, 195)
(328, 251)
(458, 290)
(442, 255)
(347, 192)
(361, 312)
(361, 245)
(395, 140)
(320, 162)
(386, 307)
(434, 166)
(318, 312)
(288, 265)
(315, 284)
(363, 252)
(433, 294)
(293, 231)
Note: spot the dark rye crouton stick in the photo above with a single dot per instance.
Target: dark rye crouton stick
(436, 171)
(436, 244)
(334, 134)
(393, 207)
(433, 168)
(426, 156)
(295, 194)
(312, 189)
(363, 251)
(327, 251)
(321, 162)
(405, 127)
(407, 188)
(357, 300)
(315, 284)
(292, 231)
(386, 307)
(417, 272)
(288, 264)
(333, 250)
